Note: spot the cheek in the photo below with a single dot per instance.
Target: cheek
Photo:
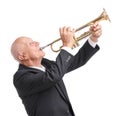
(36, 54)
(33, 53)
(42, 54)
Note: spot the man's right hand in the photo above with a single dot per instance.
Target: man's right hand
(67, 34)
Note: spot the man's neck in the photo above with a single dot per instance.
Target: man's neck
(36, 63)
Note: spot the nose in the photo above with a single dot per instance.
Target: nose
(37, 43)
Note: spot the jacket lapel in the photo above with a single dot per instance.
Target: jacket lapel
(62, 90)
(59, 86)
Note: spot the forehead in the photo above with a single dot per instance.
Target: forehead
(27, 40)
(24, 40)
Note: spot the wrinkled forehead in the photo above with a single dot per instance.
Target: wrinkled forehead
(21, 41)
(24, 40)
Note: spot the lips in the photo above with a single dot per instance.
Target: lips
(40, 48)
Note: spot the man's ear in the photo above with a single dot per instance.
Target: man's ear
(22, 56)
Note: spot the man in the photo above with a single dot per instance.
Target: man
(39, 81)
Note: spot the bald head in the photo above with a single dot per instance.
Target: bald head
(18, 46)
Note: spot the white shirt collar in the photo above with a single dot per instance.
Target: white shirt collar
(39, 68)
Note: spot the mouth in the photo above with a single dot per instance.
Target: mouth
(40, 48)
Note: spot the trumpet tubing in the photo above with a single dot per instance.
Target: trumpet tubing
(103, 16)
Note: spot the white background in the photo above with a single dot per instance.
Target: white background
(94, 89)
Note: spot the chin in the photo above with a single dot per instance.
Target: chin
(43, 54)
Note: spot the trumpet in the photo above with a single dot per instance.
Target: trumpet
(103, 16)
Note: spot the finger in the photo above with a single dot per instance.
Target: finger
(97, 33)
(68, 28)
(73, 30)
(64, 29)
(98, 28)
(61, 30)
(95, 27)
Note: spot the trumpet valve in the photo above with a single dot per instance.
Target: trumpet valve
(76, 44)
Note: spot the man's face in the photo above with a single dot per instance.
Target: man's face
(32, 49)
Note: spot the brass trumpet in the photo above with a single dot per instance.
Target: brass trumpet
(103, 16)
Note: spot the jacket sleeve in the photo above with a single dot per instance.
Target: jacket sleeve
(29, 81)
(83, 55)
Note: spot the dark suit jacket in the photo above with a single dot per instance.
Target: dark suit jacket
(44, 93)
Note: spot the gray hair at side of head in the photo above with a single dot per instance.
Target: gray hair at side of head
(16, 48)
